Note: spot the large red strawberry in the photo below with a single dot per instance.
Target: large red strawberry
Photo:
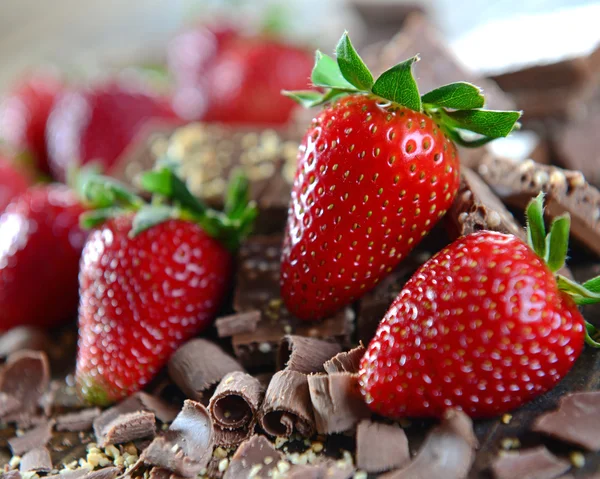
(376, 170)
(152, 276)
(484, 326)
(40, 247)
(23, 115)
(13, 182)
(98, 123)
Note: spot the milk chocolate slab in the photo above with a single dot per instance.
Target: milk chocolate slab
(36, 460)
(305, 355)
(536, 463)
(348, 361)
(239, 323)
(34, 438)
(254, 458)
(380, 447)
(77, 421)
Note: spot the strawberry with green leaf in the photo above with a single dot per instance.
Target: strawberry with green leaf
(377, 169)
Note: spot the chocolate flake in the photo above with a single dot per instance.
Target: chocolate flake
(238, 323)
(536, 463)
(348, 362)
(39, 436)
(305, 355)
(77, 421)
(104, 473)
(287, 405)
(254, 458)
(380, 447)
(198, 365)
(129, 427)
(577, 420)
(8, 404)
(37, 460)
(187, 446)
(337, 403)
(23, 337)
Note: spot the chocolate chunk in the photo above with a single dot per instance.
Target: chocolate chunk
(34, 438)
(77, 421)
(254, 458)
(23, 337)
(566, 191)
(187, 446)
(337, 403)
(198, 365)
(129, 427)
(536, 463)
(477, 208)
(287, 405)
(36, 460)
(380, 447)
(8, 404)
(237, 323)
(236, 401)
(348, 362)
(104, 473)
(305, 355)
(448, 451)
(577, 420)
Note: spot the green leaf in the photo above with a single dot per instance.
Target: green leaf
(398, 85)
(236, 199)
(102, 192)
(557, 242)
(165, 182)
(351, 65)
(536, 229)
(326, 73)
(593, 284)
(91, 219)
(149, 216)
(591, 333)
(577, 291)
(306, 98)
(458, 96)
(490, 123)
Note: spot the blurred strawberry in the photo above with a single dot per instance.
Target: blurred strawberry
(98, 124)
(23, 115)
(13, 182)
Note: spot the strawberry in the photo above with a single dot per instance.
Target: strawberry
(40, 247)
(152, 277)
(376, 170)
(485, 326)
(98, 124)
(13, 182)
(23, 115)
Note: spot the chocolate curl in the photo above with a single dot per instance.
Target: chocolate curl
(303, 354)
(129, 427)
(380, 447)
(346, 362)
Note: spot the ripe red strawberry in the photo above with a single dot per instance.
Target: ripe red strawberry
(150, 282)
(376, 170)
(40, 247)
(13, 182)
(24, 113)
(97, 124)
(484, 326)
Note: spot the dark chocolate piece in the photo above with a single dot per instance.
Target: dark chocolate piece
(238, 323)
(380, 447)
(577, 420)
(232, 437)
(77, 421)
(23, 337)
(305, 355)
(337, 403)
(287, 406)
(254, 458)
(8, 404)
(104, 473)
(536, 463)
(198, 365)
(34, 438)
(129, 427)
(36, 460)
(348, 362)
(236, 401)
(187, 446)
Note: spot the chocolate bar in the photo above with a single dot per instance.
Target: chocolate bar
(509, 465)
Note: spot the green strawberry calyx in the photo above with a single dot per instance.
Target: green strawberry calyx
(552, 248)
(171, 199)
(457, 107)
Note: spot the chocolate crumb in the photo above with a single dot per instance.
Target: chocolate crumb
(129, 427)
(337, 403)
(255, 457)
(287, 405)
(380, 447)
(348, 362)
(577, 420)
(536, 463)
(77, 421)
(305, 355)
(105, 473)
(34, 438)
(198, 365)
(238, 323)
(37, 460)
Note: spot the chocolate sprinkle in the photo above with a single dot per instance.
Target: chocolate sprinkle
(380, 447)
(346, 362)
(198, 365)
(238, 323)
(37, 460)
(287, 405)
(337, 403)
(77, 421)
(39, 436)
(129, 427)
(536, 463)
(256, 451)
(577, 420)
(305, 355)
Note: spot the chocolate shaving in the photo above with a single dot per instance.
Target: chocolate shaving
(23, 337)
(380, 447)
(448, 451)
(256, 451)
(238, 323)
(187, 446)
(198, 365)
(8, 404)
(77, 421)
(577, 420)
(287, 405)
(305, 355)
(536, 463)
(232, 437)
(236, 400)
(348, 362)
(78, 473)
(105, 473)
(162, 473)
(39, 436)
(337, 403)
(129, 427)
(37, 460)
